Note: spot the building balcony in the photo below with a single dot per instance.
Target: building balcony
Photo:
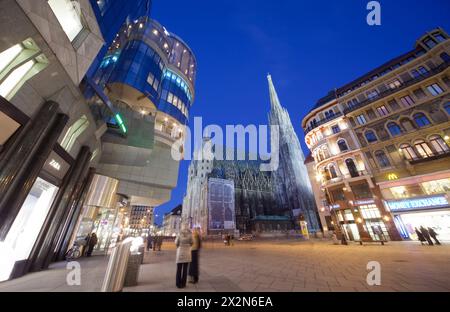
(323, 121)
(346, 177)
(403, 85)
(436, 156)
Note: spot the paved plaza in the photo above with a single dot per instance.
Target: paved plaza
(270, 266)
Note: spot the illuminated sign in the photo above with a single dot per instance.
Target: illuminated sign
(392, 177)
(418, 203)
(364, 202)
(56, 165)
(121, 123)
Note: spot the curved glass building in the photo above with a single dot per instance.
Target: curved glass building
(151, 70)
(140, 96)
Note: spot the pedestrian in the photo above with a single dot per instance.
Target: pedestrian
(92, 242)
(86, 244)
(434, 235)
(183, 242)
(155, 242)
(160, 242)
(426, 235)
(195, 250)
(149, 243)
(420, 236)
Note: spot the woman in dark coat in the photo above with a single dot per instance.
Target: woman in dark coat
(420, 236)
(92, 242)
(195, 249)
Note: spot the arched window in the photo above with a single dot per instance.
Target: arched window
(326, 153)
(332, 171)
(439, 145)
(423, 148)
(326, 174)
(447, 107)
(394, 129)
(352, 168)
(382, 159)
(408, 152)
(421, 120)
(370, 136)
(343, 147)
(407, 124)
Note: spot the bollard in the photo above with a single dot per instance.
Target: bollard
(117, 267)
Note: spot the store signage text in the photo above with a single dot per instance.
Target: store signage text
(56, 165)
(408, 204)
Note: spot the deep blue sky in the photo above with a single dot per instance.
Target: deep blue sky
(309, 47)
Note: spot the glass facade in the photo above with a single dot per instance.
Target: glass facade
(149, 59)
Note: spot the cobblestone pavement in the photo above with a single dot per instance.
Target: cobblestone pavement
(303, 266)
(270, 266)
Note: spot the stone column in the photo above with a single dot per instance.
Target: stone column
(22, 180)
(43, 250)
(73, 217)
(21, 153)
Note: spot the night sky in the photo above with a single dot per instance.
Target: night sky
(309, 47)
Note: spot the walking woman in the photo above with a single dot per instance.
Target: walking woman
(183, 243)
(193, 266)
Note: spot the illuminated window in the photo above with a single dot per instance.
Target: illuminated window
(407, 101)
(382, 111)
(408, 152)
(74, 132)
(15, 78)
(395, 84)
(69, 15)
(370, 212)
(439, 144)
(436, 187)
(6, 57)
(361, 119)
(399, 192)
(332, 171)
(435, 89)
(423, 148)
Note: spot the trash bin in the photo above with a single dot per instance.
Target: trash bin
(116, 269)
(132, 275)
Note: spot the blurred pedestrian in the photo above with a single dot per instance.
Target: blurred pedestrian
(159, 242)
(194, 271)
(434, 235)
(426, 235)
(183, 242)
(420, 236)
(149, 243)
(92, 242)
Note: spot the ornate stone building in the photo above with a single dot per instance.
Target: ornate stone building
(381, 146)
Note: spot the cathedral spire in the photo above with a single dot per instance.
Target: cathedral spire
(274, 101)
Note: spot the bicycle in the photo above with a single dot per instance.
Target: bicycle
(74, 252)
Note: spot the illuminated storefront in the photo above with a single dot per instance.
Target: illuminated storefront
(365, 216)
(419, 201)
(429, 212)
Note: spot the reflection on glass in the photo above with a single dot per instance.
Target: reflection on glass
(69, 16)
(26, 227)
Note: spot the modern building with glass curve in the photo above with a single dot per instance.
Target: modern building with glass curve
(140, 96)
